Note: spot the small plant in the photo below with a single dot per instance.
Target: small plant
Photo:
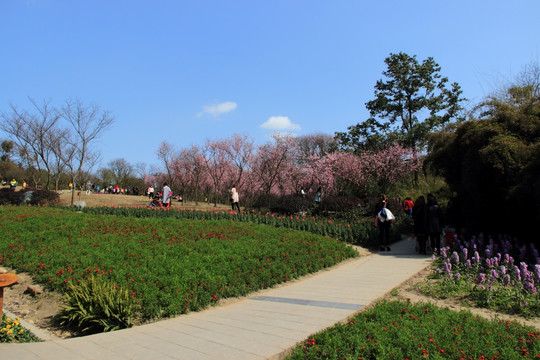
(12, 331)
(95, 305)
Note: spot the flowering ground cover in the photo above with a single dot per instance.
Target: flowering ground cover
(360, 232)
(496, 273)
(401, 330)
(12, 331)
(168, 266)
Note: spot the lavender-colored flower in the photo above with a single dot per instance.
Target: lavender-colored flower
(487, 252)
(506, 280)
(499, 256)
(481, 278)
(511, 262)
(447, 268)
(502, 270)
(465, 252)
(454, 258)
(476, 257)
(537, 272)
(457, 276)
(506, 258)
(529, 286)
(495, 262)
(517, 273)
(468, 263)
(488, 262)
(443, 252)
(494, 274)
(523, 267)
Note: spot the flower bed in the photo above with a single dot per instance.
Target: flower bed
(360, 232)
(400, 330)
(497, 273)
(169, 266)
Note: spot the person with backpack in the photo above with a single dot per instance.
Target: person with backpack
(383, 220)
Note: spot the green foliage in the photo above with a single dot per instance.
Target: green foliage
(169, 266)
(11, 331)
(38, 197)
(410, 90)
(493, 165)
(359, 231)
(94, 305)
(401, 330)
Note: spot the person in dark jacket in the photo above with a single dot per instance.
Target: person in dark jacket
(419, 215)
(435, 223)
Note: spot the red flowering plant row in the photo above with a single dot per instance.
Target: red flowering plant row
(169, 266)
(500, 273)
(401, 330)
(361, 232)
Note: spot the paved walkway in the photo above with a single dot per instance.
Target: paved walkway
(263, 326)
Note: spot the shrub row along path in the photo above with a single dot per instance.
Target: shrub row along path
(262, 326)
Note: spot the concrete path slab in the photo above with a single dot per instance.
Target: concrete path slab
(262, 326)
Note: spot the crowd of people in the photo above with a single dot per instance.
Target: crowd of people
(428, 220)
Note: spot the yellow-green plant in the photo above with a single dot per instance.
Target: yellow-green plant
(95, 305)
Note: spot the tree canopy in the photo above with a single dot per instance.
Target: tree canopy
(493, 161)
(412, 101)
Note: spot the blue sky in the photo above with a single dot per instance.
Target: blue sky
(187, 71)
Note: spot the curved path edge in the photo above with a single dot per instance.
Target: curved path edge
(265, 325)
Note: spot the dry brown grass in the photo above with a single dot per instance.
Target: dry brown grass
(94, 200)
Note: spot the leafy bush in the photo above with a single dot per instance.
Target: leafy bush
(96, 305)
(44, 197)
(36, 197)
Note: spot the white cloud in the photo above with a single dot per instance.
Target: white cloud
(280, 123)
(218, 109)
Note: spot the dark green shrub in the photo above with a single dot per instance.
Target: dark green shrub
(44, 197)
(95, 305)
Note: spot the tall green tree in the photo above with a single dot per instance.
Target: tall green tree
(411, 101)
(493, 162)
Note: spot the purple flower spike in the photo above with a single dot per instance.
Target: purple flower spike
(494, 274)
(481, 278)
(454, 258)
(506, 280)
(506, 259)
(502, 270)
(457, 276)
(465, 253)
(468, 263)
(447, 268)
(537, 272)
(476, 257)
(518, 273)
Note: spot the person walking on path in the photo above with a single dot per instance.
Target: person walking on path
(318, 195)
(166, 195)
(420, 224)
(235, 198)
(383, 220)
(434, 223)
(408, 206)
